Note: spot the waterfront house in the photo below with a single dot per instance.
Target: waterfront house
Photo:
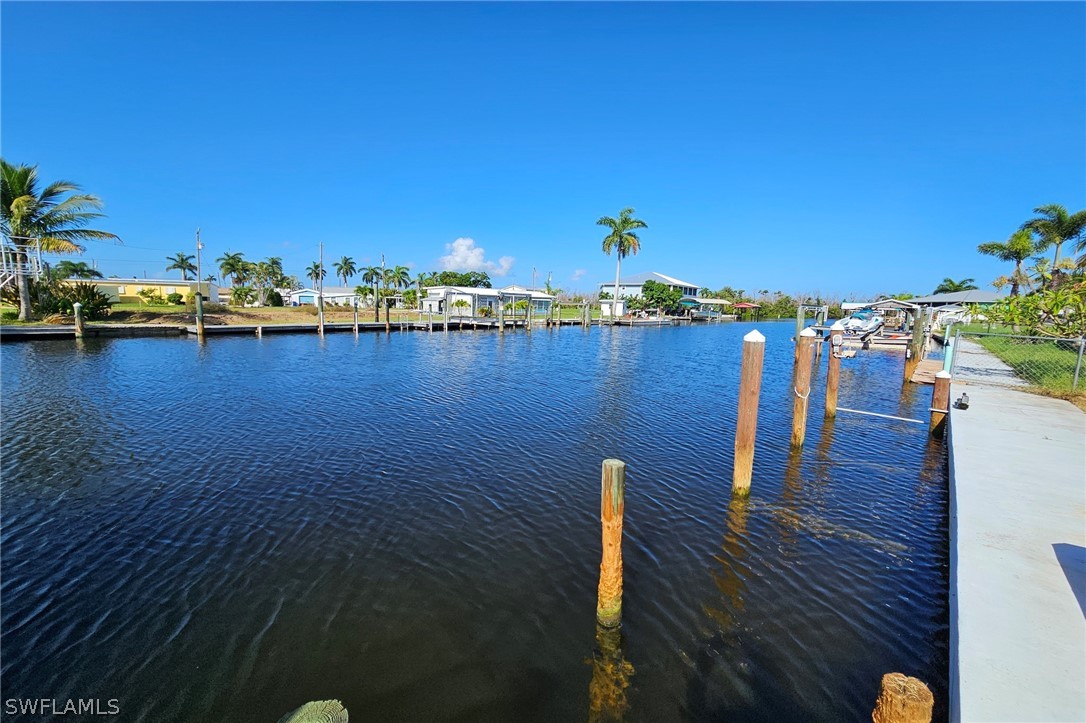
(630, 287)
(332, 295)
(126, 291)
(479, 301)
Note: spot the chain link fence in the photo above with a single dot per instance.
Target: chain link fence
(1019, 361)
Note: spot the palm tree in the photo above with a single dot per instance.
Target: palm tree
(1054, 226)
(232, 266)
(371, 275)
(623, 239)
(53, 223)
(75, 270)
(949, 286)
(345, 268)
(183, 263)
(316, 272)
(1017, 249)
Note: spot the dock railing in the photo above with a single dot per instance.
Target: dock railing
(1012, 360)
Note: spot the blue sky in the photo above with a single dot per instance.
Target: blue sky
(839, 148)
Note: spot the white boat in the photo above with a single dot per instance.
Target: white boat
(861, 322)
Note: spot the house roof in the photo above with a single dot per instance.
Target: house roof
(976, 296)
(134, 280)
(638, 279)
(327, 291)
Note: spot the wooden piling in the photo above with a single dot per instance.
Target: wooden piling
(356, 316)
(914, 353)
(802, 386)
(259, 332)
(612, 504)
(903, 700)
(388, 321)
(446, 318)
(833, 371)
(940, 403)
(80, 327)
(199, 316)
(746, 423)
(431, 313)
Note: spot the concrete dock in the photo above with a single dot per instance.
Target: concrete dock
(1018, 553)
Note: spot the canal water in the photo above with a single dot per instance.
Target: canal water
(410, 523)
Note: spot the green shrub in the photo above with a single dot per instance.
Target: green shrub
(275, 299)
(96, 305)
(175, 299)
(151, 297)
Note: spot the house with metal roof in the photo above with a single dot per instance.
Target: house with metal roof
(630, 287)
(974, 296)
(479, 301)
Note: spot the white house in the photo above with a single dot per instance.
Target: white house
(481, 301)
(333, 296)
(630, 287)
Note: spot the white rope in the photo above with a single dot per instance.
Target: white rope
(801, 396)
(884, 416)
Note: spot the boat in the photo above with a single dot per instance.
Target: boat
(862, 322)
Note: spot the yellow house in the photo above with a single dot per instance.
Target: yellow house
(126, 291)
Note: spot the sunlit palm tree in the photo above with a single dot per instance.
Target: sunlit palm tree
(621, 239)
(316, 272)
(182, 262)
(43, 218)
(1055, 226)
(949, 286)
(1017, 249)
(232, 267)
(371, 275)
(345, 268)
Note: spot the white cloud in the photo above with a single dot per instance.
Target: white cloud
(464, 255)
(578, 274)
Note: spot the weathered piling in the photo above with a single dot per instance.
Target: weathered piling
(801, 318)
(259, 332)
(612, 504)
(611, 674)
(80, 327)
(320, 316)
(940, 403)
(746, 423)
(388, 321)
(914, 353)
(431, 313)
(833, 370)
(903, 700)
(802, 386)
(446, 318)
(199, 316)
(356, 317)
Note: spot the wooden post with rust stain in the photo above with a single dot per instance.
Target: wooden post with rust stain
(914, 352)
(833, 371)
(802, 388)
(903, 700)
(199, 316)
(80, 328)
(612, 504)
(746, 422)
(940, 403)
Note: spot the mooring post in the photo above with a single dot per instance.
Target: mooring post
(431, 313)
(320, 316)
(388, 321)
(903, 700)
(746, 422)
(915, 351)
(199, 316)
(446, 318)
(833, 371)
(940, 403)
(80, 329)
(948, 348)
(356, 316)
(259, 332)
(612, 504)
(501, 317)
(802, 389)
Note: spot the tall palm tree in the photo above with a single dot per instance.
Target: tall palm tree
(75, 270)
(53, 223)
(949, 286)
(622, 239)
(1054, 226)
(399, 276)
(371, 275)
(316, 272)
(1017, 249)
(345, 268)
(232, 266)
(182, 262)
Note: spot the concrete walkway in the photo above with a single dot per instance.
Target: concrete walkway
(1018, 554)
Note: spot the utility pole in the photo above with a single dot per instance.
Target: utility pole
(199, 277)
(533, 277)
(383, 301)
(320, 288)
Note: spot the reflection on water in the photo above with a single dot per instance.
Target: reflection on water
(408, 523)
(611, 674)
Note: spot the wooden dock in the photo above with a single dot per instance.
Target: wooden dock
(926, 371)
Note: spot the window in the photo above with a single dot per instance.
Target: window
(171, 290)
(120, 290)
